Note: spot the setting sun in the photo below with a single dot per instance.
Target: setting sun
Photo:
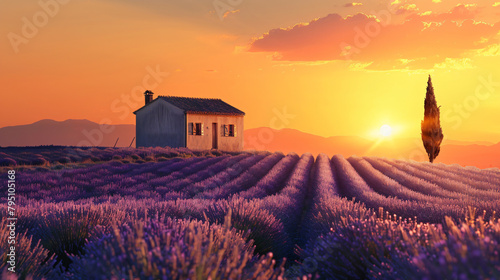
(385, 130)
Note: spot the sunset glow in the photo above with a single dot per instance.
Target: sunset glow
(325, 69)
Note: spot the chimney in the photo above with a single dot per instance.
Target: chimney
(148, 96)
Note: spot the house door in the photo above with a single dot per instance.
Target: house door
(214, 136)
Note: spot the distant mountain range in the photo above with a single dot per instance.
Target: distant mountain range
(87, 133)
(67, 133)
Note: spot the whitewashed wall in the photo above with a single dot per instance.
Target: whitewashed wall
(225, 143)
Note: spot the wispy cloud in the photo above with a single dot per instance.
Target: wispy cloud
(353, 4)
(455, 63)
(396, 2)
(228, 13)
(358, 66)
(406, 8)
(460, 12)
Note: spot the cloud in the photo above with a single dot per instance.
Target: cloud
(496, 4)
(491, 50)
(406, 8)
(455, 63)
(317, 40)
(458, 13)
(228, 13)
(421, 42)
(436, 1)
(358, 66)
(353, 4)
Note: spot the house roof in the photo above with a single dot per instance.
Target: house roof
(207, 106)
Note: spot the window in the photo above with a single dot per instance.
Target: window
(198, 129)
(229, 130)
(195, 128)
(190, 128)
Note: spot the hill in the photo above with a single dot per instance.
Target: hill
(67, 133)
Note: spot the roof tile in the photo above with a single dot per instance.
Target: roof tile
(202, 105)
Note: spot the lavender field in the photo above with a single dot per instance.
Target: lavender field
(159, 213)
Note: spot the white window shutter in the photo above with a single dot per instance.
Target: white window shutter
(234, 130)
(202, 129)
(190, 128)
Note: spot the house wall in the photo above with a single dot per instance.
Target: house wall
(225, 143)
(160, 124)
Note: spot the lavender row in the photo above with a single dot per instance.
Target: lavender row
(229, 174)
(44, 155)
(186, 184)
(411, 181)
(97, 180)
(463, 178)
(114, 171)
(493, 171)
(476, 174)
(446, 184)
(91, 241)
(288, 204)
(353, 186)
(181, 169)
(417, 184)
(381, 183)
(172, 250)
(247, 179)
(327, 206)
(274, 180)
(110, 178)
(381, 248)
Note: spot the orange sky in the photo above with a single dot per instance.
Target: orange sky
(334, 68)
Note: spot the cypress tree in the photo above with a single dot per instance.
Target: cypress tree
(432, 134)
